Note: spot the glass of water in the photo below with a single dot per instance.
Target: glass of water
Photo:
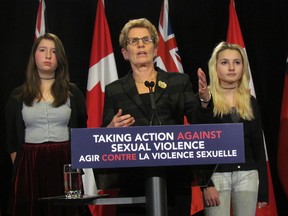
(72, 182)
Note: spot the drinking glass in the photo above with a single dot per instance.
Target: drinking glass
(72, 182)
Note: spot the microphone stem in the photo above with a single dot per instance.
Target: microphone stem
(159, 122)
(150, 86)
(152, 118)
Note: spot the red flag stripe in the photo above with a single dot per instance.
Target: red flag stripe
(102, 61)
(234, 35)
(40, 21)
(102, 70)
(101, 42)
(283, 137)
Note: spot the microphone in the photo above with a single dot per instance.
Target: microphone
(150, 86)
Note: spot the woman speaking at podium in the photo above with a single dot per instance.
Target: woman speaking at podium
(148, 95)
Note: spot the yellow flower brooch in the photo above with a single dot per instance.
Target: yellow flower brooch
(162, 85)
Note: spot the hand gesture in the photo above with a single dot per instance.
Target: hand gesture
(203, 91)
(202, 85)
(120, 120)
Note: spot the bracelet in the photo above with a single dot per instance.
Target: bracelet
(206, 101)
(203, 188)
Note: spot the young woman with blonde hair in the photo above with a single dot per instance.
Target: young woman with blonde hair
(245, 185)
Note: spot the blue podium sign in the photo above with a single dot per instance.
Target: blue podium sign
(146, 146)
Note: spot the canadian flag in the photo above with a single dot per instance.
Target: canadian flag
(40, 21)
(102, 70)
(234, 35)
(283, 137)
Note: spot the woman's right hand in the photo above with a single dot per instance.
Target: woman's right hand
(211, 197)
(13, 156)
(120, 120)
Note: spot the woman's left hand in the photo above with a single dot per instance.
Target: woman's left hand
(211, 197)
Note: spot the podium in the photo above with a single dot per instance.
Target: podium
(150, 149)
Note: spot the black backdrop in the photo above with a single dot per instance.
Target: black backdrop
(198, 26)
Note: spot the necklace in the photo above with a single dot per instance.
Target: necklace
(232, 87)
(47, 78)
(144, 81)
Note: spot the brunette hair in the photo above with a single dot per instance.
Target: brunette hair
(60, 89)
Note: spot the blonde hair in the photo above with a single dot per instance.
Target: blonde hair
(138, 23)
(242, 94)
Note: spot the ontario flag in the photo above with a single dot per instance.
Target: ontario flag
(102, 70)
(40, 20)
(283, 137)
(234, 35)
(169, 60)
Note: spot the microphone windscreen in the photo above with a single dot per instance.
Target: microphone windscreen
(147, 83)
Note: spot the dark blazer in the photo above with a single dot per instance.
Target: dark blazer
(174, 99)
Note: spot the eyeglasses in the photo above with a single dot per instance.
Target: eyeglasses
(135, 41)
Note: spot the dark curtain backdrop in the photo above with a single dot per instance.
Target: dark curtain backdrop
(198, 26)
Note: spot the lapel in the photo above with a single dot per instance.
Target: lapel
(159, 88)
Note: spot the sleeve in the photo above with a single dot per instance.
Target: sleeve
(259, 152)
(204, 115)
(12, 141)
(78, 105)
(108, 110)
(195, 113)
